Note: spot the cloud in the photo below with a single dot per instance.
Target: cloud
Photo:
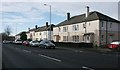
(59, 0)
(26, 13)
(20, 13)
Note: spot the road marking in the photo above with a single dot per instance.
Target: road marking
(80, 51)
(50, 57)
(27, 51)
(84, 67)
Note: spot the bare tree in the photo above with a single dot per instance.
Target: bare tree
(4, 36)
(8, 30)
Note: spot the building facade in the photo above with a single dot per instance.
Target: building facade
(41, 33)
(91, 27)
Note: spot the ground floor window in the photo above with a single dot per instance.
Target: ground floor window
(102, 37)
(75, 38)
(65, 38)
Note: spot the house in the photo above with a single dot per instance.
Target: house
(40, 33)
(91, 27)
(19, 35)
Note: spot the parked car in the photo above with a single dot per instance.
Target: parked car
(34, 43)
(7, 42)
(46, 44)
(25, 43)
(18, 41)
(114, 45)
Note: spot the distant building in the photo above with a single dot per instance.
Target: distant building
(92, 27)
(18, 35)
(40, 33)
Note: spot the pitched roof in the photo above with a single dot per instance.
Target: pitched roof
(20, 33)
(82, 18)
(43, 28)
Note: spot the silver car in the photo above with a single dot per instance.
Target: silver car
(34, 43)
(47, 44)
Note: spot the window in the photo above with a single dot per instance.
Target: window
(65, 38)
(75, 27)
(40, 33)
(75, 38)
(102, 37)
(102, 23)
(65, 29)
(110, 25)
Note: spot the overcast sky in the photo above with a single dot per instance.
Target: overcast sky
(21, 15)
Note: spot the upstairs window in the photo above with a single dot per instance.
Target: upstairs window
(110, 25)
(65, 29)
(75, 27)
(102, 25)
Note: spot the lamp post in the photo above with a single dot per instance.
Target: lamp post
(50, 18)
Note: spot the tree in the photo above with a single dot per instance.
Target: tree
(8, 30)
(23, 36)
(4, 36)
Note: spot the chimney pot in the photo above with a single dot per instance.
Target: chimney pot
(68, 16)
(36, 27)
(28, 29)
(46, 24)
(87, 11)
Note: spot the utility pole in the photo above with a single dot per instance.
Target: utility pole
(50, 18)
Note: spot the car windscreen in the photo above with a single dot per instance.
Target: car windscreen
(35, 41)
(115, 43)
(19, 40)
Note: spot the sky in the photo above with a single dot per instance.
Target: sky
(20, 16)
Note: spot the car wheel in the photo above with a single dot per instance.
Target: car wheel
(53, 47)
(45, 47)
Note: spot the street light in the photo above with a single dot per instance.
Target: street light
(50, 18)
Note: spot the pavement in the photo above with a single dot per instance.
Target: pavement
(18, 56)
(97, 50)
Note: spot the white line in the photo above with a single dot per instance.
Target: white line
(84, 67)
(27, 51)
(50, 58)
(81, 51)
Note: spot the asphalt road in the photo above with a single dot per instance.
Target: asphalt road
(18, 56)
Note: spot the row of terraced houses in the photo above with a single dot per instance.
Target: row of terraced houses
(91, 27)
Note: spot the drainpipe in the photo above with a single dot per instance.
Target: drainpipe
(106, 31)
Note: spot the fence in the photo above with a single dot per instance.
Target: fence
(75, 45)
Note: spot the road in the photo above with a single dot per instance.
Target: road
(18, 56)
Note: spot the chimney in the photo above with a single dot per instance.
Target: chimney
(28, 29)
(46, 24)
(68, 16)
(36, 27)
(87, 11)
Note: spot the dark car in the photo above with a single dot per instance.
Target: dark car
(46, 44)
